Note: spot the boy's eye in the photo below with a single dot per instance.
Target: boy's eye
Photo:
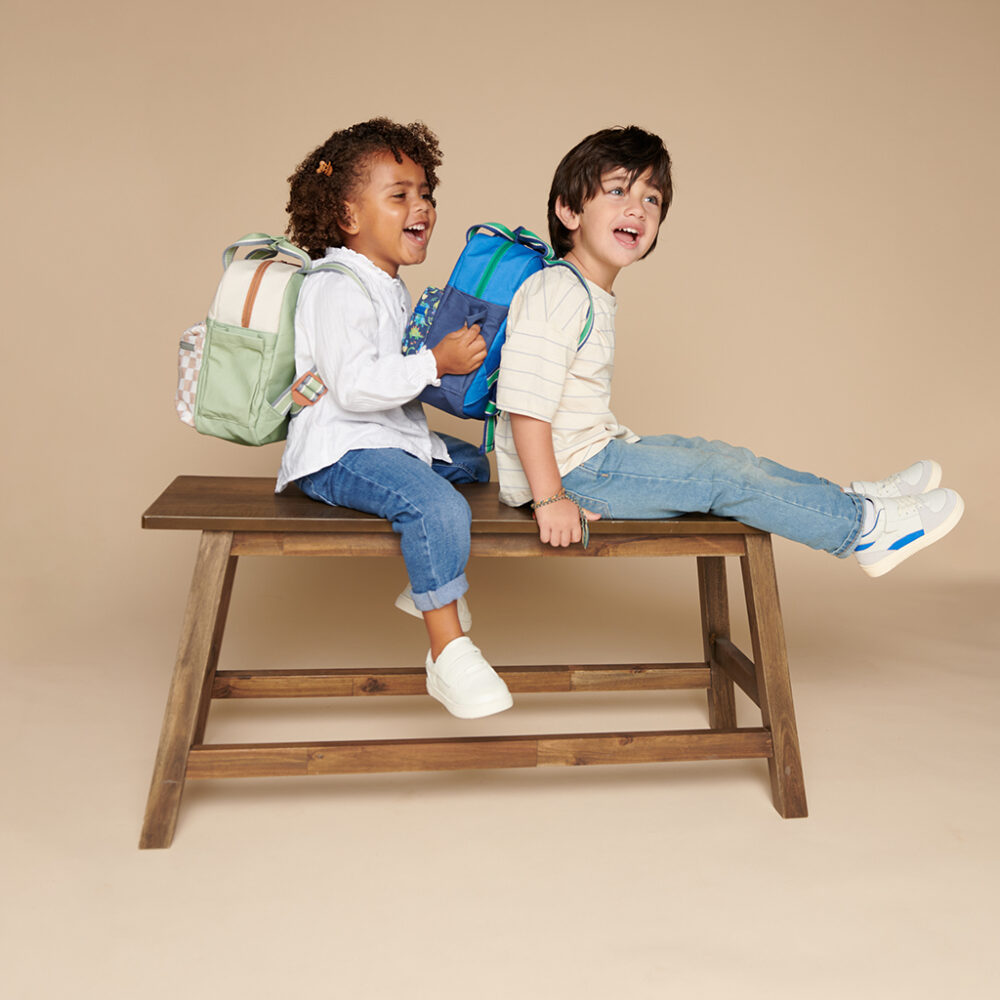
(616, 190)
(653, 199)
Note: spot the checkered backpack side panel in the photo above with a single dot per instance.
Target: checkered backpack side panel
(189, 355)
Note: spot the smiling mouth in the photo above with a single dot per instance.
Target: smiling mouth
(628, 236)
(417, 233)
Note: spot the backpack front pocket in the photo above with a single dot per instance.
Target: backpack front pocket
(232, 382)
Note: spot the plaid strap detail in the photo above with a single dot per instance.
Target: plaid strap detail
(304, 391)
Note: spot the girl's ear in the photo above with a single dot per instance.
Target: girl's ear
(348, 220)
(566, 215)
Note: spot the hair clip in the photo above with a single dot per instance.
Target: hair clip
(325, 168)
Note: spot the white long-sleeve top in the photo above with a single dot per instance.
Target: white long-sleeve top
(354, 342)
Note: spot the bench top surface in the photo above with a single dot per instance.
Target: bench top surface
(233, 503)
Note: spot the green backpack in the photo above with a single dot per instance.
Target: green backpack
(237, 369)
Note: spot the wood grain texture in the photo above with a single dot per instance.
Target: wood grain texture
(412, 680)
(189, 686)
(773, 683)
(713, 592)
(215, 649)
(232, 503)
(465, 753)
(244, 517)
(737, 667)
(500, 544)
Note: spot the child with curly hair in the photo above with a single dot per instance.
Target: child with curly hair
(365, 199)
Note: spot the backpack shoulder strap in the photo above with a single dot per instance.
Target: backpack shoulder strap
(588, 323)
(334, 265)
(310, 387)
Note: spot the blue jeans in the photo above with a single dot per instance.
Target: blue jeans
(431, 518)
(666, 476)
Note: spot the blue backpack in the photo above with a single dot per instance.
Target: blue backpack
(491, 268)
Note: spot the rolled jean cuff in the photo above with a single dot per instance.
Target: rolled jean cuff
(855, 533)
(431, 600)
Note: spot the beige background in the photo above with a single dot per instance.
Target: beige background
(824, 291)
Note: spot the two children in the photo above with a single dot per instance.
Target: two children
(365, 198)
(559, 446)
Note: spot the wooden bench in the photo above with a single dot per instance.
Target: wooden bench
(243, 517)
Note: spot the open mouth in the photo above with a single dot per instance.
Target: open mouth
(628, 236)
(417, 233)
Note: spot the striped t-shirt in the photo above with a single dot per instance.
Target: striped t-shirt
(543, 375)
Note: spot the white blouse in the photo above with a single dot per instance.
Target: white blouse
(355, 344)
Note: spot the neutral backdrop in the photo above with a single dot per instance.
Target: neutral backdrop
(824, 291)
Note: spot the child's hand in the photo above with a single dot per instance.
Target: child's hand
(460, 352)
(559, 523)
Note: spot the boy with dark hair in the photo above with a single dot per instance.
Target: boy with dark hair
(559, 446)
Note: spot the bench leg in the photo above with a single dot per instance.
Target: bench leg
(768, 636)
(191, 687)
(713, 592)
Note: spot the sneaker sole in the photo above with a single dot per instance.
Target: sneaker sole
(893, 559)
(462, 711)
(935, 481)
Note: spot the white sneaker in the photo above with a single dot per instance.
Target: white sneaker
(905, 525)
(921, 477)
(405, 603)
(462, 680)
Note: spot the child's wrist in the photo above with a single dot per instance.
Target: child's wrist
(561, 494)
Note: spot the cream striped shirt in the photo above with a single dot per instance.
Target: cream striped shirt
(542, 375)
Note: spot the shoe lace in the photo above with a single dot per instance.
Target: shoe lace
(908, 505)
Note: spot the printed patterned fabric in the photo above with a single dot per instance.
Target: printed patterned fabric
(192, 346)
(415, 335)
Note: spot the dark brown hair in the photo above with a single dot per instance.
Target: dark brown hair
(578, 177)
(332, 173)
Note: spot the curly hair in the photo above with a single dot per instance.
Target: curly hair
(332, 174)
(578, 177)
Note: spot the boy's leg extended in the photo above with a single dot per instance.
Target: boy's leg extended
(667, 476)
(430, 516)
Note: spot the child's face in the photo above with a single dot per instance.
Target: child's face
(616, 227)
(391, 216)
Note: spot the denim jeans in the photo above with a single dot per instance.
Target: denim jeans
(666, 476)
(430, 516)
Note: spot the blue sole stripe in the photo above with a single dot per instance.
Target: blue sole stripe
(903, 542)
